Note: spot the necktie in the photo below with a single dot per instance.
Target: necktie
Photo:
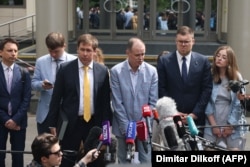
(184, 70)
(87, 96)
(9, 82)
(57, 64)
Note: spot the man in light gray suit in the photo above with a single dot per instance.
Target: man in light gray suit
(134, 83)
(45, 75)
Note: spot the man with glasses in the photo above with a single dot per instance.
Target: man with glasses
(47, 152)
(185, 76)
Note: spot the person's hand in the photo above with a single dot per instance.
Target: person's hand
(47, 85)
(227, 131)
(183, 117)
(52, 130)
(217, 132)
(10, 124)
(90, 156)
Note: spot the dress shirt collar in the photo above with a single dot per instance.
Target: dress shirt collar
(80, 65)
(5, 66)
(179, 56)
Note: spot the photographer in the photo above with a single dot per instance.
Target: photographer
(224, 107)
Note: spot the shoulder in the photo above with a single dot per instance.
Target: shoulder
(119, 66)
(71, 56)
(44, 58)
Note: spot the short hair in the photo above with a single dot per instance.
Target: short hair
(55, 40)
(184, 30)
(87, 39)
(131, 42)
(8, 40)
(42, 144)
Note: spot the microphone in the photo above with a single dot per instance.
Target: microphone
(192, 127)
(146, 113)
(166, 107)
(194, 133)
(182, 132)
(142, 134)
(106, 139)
(130, 139)
(156, 115)
(234, 85)
(94, 139)
(180, 126)
(171, 138)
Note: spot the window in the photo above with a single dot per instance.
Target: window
(15, 3)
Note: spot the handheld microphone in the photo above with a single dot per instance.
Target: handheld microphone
(130, 139)
(182, 132)
(171, 138)
(156, 115)
(106, 139)
(94, 139)
(192, 127)
(142, 134)
(179, 125)
(194, 133)
(146, 113)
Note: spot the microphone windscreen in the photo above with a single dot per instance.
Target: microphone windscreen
(106, 133)
(179, 125)
(192, 127)
(170, 137)
(93, 138)
(131, 132)
(146, 111)
(234, 85)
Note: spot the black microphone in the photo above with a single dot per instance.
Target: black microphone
(171, 138)
(182, 132)
(94, 139)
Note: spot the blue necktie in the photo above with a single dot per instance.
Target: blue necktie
(184, 70)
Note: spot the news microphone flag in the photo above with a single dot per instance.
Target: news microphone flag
(106, 132)
(131, 132)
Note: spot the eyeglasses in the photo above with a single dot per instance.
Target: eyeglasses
(183, 42)
(58, 153)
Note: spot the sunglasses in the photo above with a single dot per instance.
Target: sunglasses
(58, 153)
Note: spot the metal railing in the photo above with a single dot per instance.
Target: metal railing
(22, 29)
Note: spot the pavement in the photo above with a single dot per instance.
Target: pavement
(32, 132)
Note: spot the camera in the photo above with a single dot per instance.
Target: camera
(236, 86)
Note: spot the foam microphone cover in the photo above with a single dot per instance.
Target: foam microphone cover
(170, 137)
(93, 138)
(192, 127)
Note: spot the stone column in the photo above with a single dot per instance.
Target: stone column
(239, 34)
(50, 16)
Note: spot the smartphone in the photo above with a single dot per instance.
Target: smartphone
(48, 83)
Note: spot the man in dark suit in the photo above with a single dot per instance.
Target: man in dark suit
(15, 94)
(189, 84)
(68, 96)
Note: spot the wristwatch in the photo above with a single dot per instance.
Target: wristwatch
(81, 164)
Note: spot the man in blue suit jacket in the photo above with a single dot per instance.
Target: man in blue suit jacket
(192, 94)
(14, 102)
(45, 72)
(134, 83)
(68, 96)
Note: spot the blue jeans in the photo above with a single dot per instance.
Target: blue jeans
(122, 151)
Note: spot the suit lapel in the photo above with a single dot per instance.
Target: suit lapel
(3, 80)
